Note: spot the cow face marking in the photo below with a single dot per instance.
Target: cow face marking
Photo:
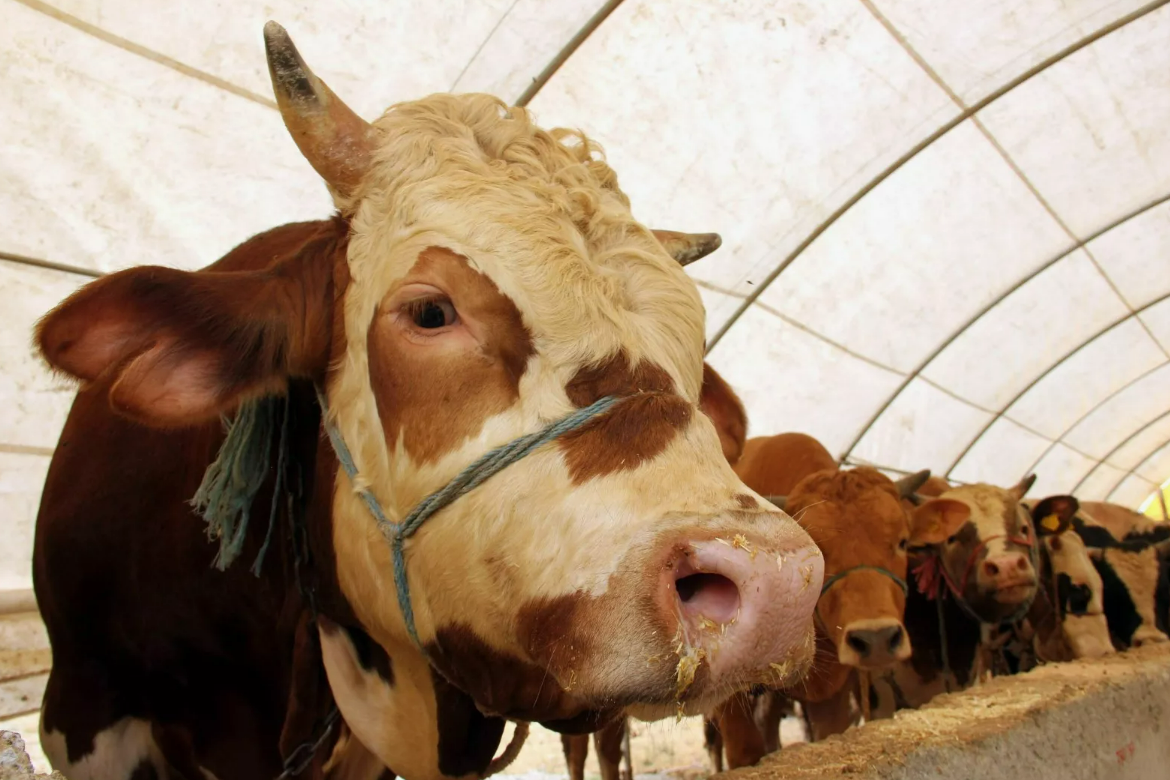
(445, 345)
(507, 685)
(637, 430)
(745, 501)
(857, 519)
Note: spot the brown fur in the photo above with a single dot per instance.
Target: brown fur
(414, 386)
(237, 329)
(633, 432)
(722, 405)
(116, 644)
(772, 465)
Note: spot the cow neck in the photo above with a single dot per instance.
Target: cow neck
(491, 463)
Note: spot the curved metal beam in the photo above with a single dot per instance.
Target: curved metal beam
(1105, 459)
(36, 262)
(984, 310)
(1060, 439)
(1144, 460)
(1003, 409)
(567, 51)
(963, 116)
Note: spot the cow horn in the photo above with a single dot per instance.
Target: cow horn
(686, 248)
(1025, 484)
(779, 501)
(337, 142)
(909, 484)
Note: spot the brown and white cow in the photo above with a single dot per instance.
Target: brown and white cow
(978, 582)
(482, 279)
(857, 519)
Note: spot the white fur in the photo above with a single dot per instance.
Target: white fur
(117, 751)
(398, 723)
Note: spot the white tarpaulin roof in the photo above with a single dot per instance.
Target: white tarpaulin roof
(946, 224)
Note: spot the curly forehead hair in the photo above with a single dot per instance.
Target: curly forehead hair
(846, 486)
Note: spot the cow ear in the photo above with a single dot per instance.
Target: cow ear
(719, 402)
(177, 347)
(1054, 515)
(937, 520)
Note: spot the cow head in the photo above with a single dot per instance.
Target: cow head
(485, 279)
(858, 521)
(1076, 586)
(989, 560)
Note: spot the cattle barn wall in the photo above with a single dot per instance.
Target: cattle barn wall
(1075, 721)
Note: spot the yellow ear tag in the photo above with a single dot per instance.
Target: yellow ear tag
(1051, 523)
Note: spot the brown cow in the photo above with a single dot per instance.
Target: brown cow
(857, 519)
(483, 280)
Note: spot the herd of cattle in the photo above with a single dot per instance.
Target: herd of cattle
(929, 588)
(484, 336)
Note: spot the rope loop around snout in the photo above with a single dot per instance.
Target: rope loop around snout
(864, 567)
(464, 482)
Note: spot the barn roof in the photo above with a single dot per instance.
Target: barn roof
(946, 224)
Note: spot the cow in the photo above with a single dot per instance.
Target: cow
(857, 519)
(1073, 589)
(970, 591)
(1074, 592)
(482, 301)
(1131, 554)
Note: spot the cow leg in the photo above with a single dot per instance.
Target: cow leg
(771, 707)
(608, 742)
(576, 748)
(833, 715)
(86, 736)
(714, 742)
(741, 738)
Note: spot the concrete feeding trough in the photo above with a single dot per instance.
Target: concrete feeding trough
(1085, 720)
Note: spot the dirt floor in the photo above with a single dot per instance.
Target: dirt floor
(662, 749)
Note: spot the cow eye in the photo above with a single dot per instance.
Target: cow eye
(952, 539)
(433, 313)
(902, 544)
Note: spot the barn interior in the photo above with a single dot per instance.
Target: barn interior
(945, 245)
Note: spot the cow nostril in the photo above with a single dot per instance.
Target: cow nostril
(711, 595)
(991, 568)
(896, 639)
(857, 643)
(1021, 563)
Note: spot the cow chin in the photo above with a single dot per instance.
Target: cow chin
(994, 605)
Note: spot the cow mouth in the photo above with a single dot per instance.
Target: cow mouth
(1015, 592)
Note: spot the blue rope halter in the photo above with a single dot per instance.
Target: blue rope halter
(464, 482)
